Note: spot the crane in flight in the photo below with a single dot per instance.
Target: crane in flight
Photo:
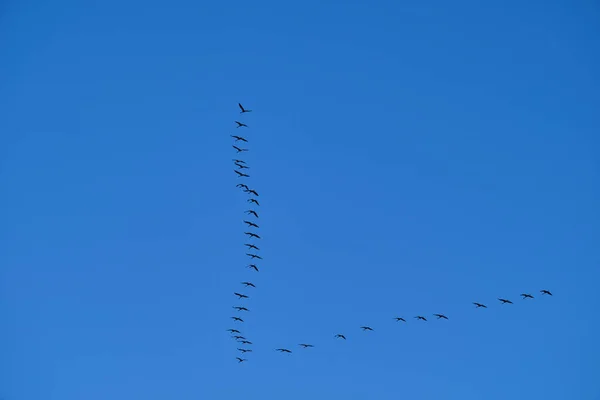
(439, 316)
(243, 109)
(504, 301)
(252, 191)
(252, 235)
(398, 319)
(245, 342)
(252, 224)
(239, 124)
(238, 149)
(241, 296)
(253, 201)
(253, 266)
(241, 166)
(251, 246)
(526, 296)
(283, 350)
(233, 331)
(421, 318)
(543, 292)
(241, 174)
(238, 161)
(479, 305)
(305, 346)
(248, 284)
(252, 212)
(241, 185)
(245, 350)
(237, 319)
(238, 337)
(241, 308)
(366, 328)
(241, 359)
(238, 138)
(339, 336)
(253, 256)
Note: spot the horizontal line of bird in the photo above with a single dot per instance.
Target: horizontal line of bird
(242, 340)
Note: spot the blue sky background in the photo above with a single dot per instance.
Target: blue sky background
(411, 157)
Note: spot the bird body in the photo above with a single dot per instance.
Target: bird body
(233, 331)
(241, 359)
(398, 319)
(251, 246)
(248, 284)
(241, 174)
(543, 292)
(283, 350)
(441, 316)
(243, 109)
(241, 296)
(239, 124)
(304, 345)
(237, 319)
(338, 336)
(254, 201)
(366, 328)
(479, 305)
(526, 296)
(504, 301)
(421, 318)
(238, 149)
(241, 308)
(252, 212)
(252, 224)
(253, 266)
(252, 235)
(253, 256)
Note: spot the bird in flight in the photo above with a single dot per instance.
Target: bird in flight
(252, 235)
(241, 166)
(241, 359)
(526, 296)
(245, 342)
(233, 331)
(441, 316)
(241, 185)
(543, 292)
(304, 345)
(254, 267)
(241, 174)
(283, 350)
(252, 212)
(241, 296)
(338, 336)
(478, 305)
(239, 124)
(253, 201)
(238, 138)
(241, 308)
(238, 337)
(251, 191)
(504, 301)
(243, 109)
(239, 161)
(420, 317)
(252, 224)
(253, 256)
(239, 150)
(251, 246)
(245, 350)
(248, 284)
(237, 319)
(398, 319)
(366, 328)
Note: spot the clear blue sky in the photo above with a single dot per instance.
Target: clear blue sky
(411, 157)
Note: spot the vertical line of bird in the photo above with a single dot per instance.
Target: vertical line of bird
(252, 250)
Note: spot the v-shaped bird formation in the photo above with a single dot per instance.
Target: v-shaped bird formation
(253, 254)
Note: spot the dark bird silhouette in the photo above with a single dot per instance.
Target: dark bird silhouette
(245, 342)
(237, 319)
(543, 292)
(243, 109)
(251, 191)
(441, 316)
(238, 337)
(366, 328)
(252, 212)
(420, 317)
(241, 166)
(251, 246)
(241, 296)
(241, 308)
(254, 267)
(241, 185)
(253, 256)
(245, 350)
(239, 124)
(241, 359)
(304, 345)
(526, 296)
(504, 301)
(238, 138)
(398, 319)
(239, 161)
(248, 284)
(338, 336)
(252, 235)
(252, 224)
(233, 331)
(238, 149)
(283, 350)
(478, 305)
(254, 201)
(241, 174)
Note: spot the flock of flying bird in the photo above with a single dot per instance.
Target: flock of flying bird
(252, 253)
